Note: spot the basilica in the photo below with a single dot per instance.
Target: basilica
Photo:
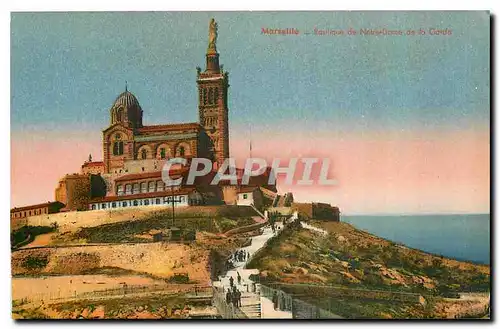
(134, 153)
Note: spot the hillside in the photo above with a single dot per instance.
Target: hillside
(347, 257)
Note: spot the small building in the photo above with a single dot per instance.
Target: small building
(317, 210)
(247, 195)
(93, 167)
(180, 197)
(74, 191)
(36, 209)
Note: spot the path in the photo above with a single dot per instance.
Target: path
(252, 304)
(313, 228)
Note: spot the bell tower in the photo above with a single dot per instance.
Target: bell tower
(213, 85)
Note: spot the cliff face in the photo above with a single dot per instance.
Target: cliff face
(157, 259)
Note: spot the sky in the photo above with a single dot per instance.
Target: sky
(404, 119)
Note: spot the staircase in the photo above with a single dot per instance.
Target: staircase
(250, 305)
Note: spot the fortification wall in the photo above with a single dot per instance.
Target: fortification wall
(71, 221)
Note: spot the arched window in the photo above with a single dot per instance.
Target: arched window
(128, 189)
(160, 186)
(119, 190)
(144, 154)
(182, 151)
(210, 96)
(204, 96)
(144, 187)
(163, 154)
(216, 95)
(119, 115)
(136, 189)
(152, 186)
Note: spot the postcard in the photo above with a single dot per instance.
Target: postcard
(250, 165)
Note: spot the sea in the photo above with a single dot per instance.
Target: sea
(462, 237)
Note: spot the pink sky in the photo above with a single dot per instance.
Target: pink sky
(386, 172)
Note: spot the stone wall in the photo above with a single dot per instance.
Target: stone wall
(71, 221)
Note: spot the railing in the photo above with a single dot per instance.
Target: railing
(184, 290)
(298, 308)
(226, 310)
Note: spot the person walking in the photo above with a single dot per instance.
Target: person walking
(239, 278)
(275, 300)
(238, 298)
(231, 281)
(228, 297)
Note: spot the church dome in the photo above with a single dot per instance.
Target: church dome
(127, 100)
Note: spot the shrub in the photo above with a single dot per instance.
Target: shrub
(179, 278)
(35, 263)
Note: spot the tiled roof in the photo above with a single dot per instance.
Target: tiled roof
(246, 189)
(93, 164)
(35, 206)
(149, 175)
(182, 191)
(169, 127)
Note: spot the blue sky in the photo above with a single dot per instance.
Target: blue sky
(68, 68)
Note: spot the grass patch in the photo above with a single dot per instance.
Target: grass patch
(26, 234)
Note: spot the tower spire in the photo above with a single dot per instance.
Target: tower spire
(126, 86)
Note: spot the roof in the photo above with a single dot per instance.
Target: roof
(149, 175)
(93, 164)
(247, 189)
(126, 99)
(170, 127)
(36, 206)
(182, 191)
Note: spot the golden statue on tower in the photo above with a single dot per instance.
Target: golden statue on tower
(212, 35)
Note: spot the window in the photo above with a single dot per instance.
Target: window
(93, 207)
(144, 154)
(181, 199)
(158, 201)
(144, 187)
(119, 115)
(216, 95)
(245, 196)
(118, 148)
(210, 96)
(182, 151)
(103, 206)
(146, 202)
(162, 153)
(128, 189)
(124, 203)
(119, 190)
(136, 203)
(152, 187)
(113, 205)
(136, 189)
(204, 96)
(160, 186)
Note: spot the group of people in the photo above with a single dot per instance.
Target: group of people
(241, 256)
(233, 296)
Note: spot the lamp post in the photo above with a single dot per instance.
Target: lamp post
(173, 205)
